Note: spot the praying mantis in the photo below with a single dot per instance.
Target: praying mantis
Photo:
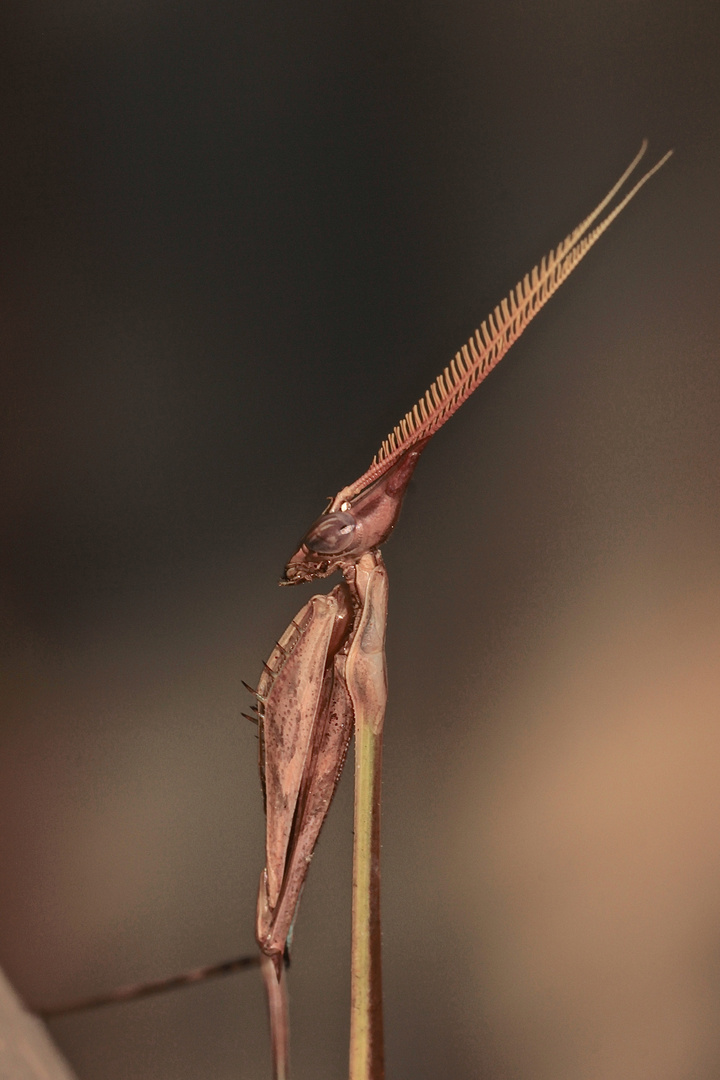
(326, 676)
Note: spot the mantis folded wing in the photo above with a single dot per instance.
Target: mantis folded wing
(326, 675)
(306, 719)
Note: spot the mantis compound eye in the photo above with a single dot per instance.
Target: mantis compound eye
(331, 534)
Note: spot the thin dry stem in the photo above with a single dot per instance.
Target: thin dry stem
(276, 992)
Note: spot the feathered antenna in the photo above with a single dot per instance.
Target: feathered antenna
(500, 330)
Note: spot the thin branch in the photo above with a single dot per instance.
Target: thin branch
(147, 989)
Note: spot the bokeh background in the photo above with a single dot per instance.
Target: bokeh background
(238, 241)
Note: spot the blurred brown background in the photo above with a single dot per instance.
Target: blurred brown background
(238, 241)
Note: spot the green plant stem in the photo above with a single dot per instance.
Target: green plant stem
(366, 1020)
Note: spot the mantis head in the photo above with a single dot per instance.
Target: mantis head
(354, 522)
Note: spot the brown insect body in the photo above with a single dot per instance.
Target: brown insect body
(305, 707)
